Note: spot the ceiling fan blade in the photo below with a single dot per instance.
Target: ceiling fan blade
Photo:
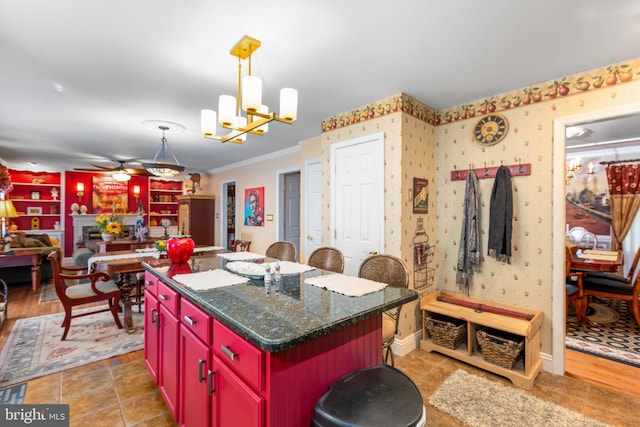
(93, 170)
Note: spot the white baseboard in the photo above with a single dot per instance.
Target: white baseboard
(402, 347)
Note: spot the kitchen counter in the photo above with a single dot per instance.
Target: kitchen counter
(293, 312)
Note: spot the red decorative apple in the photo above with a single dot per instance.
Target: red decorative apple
(178, 268)
(179, 249)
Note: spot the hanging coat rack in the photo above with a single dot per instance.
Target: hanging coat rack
(521, 169)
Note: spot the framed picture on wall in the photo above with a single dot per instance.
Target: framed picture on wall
(420, 195)
(254, 206)
(31, 210)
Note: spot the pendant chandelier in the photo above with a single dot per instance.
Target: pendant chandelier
(160, 166)
(249, 100)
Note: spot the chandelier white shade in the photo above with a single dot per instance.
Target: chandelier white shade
(249, 100)
(121, 176)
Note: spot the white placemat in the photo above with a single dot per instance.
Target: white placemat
(288, 267)
(209, 279)
(346, 285)
(97, 258)
(241, 256)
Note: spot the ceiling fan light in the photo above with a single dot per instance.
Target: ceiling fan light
(289, 103)
(251, 93)
(208, 121)
(226, 110)
(121, 176)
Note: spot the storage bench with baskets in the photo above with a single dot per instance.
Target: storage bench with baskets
(494, 338)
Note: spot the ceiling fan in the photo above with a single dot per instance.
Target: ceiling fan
(120, 173)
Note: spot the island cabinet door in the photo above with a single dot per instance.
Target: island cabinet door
(195, 364)
(151, 334)
(169, 345)
(233, 402)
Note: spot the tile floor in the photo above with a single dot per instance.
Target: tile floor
(115, 393)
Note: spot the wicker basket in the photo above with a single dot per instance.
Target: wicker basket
(499, 347)
(446, 331)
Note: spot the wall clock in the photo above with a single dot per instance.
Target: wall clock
(490, 129)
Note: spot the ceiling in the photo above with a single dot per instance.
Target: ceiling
(78, 78)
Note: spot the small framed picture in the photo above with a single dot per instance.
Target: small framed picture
(35, 195)
(420, 196)
(32, 210)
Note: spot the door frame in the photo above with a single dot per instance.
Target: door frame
(558, 293)
(223, 210)
(280, 173)
(307, 205)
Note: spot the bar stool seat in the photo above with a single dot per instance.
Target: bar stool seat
(377, 396)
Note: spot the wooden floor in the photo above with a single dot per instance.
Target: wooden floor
(601, 372)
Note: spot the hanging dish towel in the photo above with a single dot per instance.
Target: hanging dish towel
(469, 252)
(501, 216)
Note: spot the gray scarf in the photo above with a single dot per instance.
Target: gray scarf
(469, 252)
(501, 216)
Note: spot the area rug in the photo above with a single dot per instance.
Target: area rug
(617, 340)
(48, 293)
(34, 348)
(479, 402)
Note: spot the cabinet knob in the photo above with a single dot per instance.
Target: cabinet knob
(190, 321)
(201, 375)
(163, 297)
(210, 389)
(226, 350)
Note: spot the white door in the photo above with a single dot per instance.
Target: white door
(291, 216)
(358, 199)
(313, 197)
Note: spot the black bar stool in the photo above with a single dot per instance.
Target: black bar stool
(377, 396)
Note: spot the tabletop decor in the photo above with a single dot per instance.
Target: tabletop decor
(110, 225)
(180, 249)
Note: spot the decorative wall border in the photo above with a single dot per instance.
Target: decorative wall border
(575, 84)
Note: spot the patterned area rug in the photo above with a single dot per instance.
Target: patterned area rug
(610, 336)
(479, 402)
(48, 293)
(34, 348)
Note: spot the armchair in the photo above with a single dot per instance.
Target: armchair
(283, 251)
(99, 288)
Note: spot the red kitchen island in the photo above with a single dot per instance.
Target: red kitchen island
(241, 356)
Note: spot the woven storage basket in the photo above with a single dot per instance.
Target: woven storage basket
(500, 348)
(446, 331)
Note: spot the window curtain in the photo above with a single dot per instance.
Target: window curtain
(624, 198)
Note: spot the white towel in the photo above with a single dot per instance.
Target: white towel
(209, 279)
(346, 285)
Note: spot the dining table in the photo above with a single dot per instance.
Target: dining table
(123, 264)
(597, 260)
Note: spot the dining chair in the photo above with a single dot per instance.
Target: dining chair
(327, 258)
(98, 288)
(283, 251)
(242, 246)
(574, 289)
(392, 271)
(614, 286)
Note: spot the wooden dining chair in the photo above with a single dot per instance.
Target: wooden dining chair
(283, 251)
(613, 286)
(99, 287)
(327, 258)
(574, 289)
(392, 271)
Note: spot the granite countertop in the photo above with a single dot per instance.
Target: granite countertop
(293, 312)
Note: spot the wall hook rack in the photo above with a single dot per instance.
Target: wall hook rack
(520, 169)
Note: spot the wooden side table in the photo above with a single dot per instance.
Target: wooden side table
(32, 257)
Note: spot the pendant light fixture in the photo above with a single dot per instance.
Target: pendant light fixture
(160, 166)
(249, 100)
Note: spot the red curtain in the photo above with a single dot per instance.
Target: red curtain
(624, 198)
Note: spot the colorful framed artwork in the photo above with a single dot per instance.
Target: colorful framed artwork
(109, 195)
(420, 195)
(254, 206)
